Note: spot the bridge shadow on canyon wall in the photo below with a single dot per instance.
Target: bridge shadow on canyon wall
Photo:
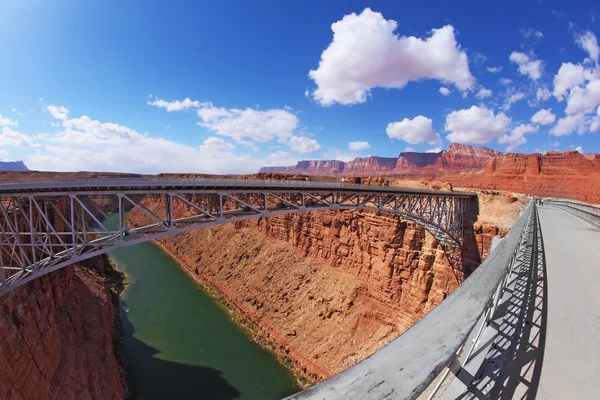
(154, 378)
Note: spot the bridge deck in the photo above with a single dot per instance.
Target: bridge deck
(571, 365)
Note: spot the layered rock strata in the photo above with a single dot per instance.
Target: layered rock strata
(60, 338)
(327, 288)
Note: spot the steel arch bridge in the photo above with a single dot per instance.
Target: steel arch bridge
(47, 225)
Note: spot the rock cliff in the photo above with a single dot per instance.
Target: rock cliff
(456, 157)
(369, 165)
(556, 174)
(56, 340)
(327, 288)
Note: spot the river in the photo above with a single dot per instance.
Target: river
(181, 344)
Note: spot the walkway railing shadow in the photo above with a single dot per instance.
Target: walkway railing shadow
(512, 366)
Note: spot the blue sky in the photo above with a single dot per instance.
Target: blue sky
(103, 85)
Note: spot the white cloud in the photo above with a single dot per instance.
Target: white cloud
(216, 144)
(302, 144)
(579, 149)
(475, 125)
(529, 33)
(409, 149)
(359, 146)
(434, 150)
(542, 94)
(7, 122)
(505, 81)
(365, 53)
(177, 105)
(483, 93)
(516, 137)
(261, 126)
(584, 99)
(569, 76)
(3, 153)
(58, 112)
(494, 70)
(479, 58)
(445, 91)
(512, 98)
(10, 137)
(543, 117)
(413, 131)
(527, 66)
(566, 125)
(588, 42)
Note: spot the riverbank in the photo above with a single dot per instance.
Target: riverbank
(262, 333)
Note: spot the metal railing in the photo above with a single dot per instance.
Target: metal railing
(91, 184)
(586, 212)
(408, 365)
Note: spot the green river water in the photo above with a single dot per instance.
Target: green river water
(180, 344)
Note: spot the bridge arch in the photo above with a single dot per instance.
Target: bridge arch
(48, 225)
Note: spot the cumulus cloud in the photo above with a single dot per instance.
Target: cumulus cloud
(579, 149)
(475, 125)
(261, 126)
(413, 131)
(542, 94)
(527, 66)
(494, 70)
(445, 91)
(10, 137)
(365, 53)
(122, 149)
(58, 112)
(505, 81)
(216, 144)
(176, 105)
(303, 144)
(568, 124)
(516, 137)
(569, 76)
(583, 100)
(543, 117)
(359, 146)
(483, 93)
(7, 122)
(434, 150)
(588, 42)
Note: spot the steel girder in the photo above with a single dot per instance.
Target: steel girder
(46, 230)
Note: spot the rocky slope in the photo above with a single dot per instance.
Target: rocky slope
(327, 288)
(56, 340)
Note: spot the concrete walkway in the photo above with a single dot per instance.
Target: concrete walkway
(571, 360)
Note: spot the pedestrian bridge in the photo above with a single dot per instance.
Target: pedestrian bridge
(47, 225)
(524, 325)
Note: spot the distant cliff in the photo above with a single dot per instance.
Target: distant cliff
(457, 157)
(13, 166)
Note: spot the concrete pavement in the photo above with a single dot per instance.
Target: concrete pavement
(571, 362)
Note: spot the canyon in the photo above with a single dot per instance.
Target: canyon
(324, 289)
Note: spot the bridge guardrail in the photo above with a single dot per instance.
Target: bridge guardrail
(588, 213)
(408, 365)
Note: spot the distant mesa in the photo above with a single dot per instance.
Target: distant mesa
(457, 157)
(13, 166)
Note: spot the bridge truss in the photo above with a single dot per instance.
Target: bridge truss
(48, 225)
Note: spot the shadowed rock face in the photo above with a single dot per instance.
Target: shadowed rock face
(13, 166)
(56, 339)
